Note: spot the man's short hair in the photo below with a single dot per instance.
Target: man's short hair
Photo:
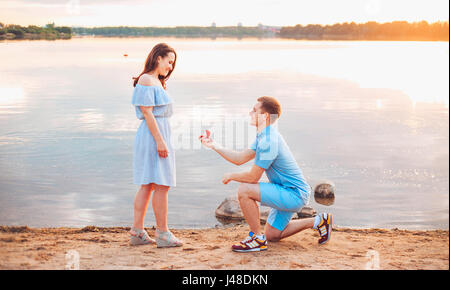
(270, 105)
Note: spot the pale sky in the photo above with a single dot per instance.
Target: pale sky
(223, 13)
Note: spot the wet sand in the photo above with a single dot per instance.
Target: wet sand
(108, 248)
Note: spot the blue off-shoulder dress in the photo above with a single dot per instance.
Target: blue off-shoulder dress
(148, 166)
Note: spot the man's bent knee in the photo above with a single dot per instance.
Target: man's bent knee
(273, 238)
(272, 234)
(242, 191)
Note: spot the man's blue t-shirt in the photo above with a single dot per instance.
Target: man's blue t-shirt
(273, 154)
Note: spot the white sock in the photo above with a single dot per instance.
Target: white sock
(317, 220)
(261, 237)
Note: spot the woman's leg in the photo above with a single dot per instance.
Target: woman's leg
(164, 238)
(160, 204)
(141, 203)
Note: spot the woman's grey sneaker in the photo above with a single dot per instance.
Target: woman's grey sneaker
(167, 239)
(140, 238)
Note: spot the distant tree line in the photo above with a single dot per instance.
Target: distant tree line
(396, 30)
(50, 31)
(179, 31)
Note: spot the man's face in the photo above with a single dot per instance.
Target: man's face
(257, 116)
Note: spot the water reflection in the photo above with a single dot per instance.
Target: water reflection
(394, 65)
(91, 119)
(11, 96)
(368, 116)
(12, 101)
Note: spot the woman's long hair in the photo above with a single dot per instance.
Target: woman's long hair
(151, 63)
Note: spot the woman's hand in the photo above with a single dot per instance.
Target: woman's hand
(226, 178)
(161, 147)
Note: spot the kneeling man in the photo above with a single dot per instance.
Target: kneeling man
(286, 193)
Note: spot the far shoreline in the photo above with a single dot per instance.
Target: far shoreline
(203, 38)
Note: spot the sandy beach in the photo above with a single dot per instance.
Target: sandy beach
(108, 248)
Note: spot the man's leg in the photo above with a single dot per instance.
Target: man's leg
(248, 195)
(284, 204)
(323, 223)
(294, 226)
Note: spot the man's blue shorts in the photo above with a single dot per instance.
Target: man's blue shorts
(283, 201)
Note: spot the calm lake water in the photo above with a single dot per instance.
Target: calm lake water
(372, 117)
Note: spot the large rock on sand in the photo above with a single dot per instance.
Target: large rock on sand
(306, 212)
(229, 211)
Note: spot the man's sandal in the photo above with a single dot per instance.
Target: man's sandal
(140, 238)
(166, 240)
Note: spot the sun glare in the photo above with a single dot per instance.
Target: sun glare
(11, 96)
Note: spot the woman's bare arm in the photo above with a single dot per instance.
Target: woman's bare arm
(153, 127)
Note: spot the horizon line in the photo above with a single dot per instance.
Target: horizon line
(236, 25)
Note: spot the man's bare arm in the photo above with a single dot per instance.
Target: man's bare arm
(235, 157)
(252, 176)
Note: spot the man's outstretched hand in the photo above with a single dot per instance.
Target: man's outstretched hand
(226, 178)
(206, 140)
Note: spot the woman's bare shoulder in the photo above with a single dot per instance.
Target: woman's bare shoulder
(147, 80)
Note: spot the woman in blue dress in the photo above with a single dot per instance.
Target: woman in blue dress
(154, 157)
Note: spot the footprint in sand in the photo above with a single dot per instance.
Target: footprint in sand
(297, 265)
(244, 261)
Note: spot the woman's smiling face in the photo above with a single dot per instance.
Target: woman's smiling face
(165, 64)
